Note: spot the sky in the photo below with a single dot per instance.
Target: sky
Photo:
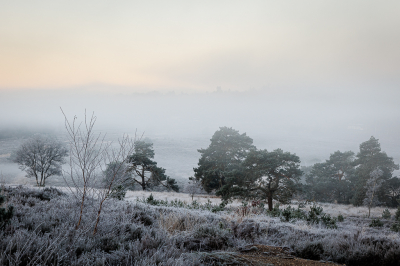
(196, 46)
(310, 77)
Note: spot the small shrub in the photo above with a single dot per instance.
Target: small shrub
(386, 214)
(317, 209)
(287, 214)
(5, 214)
(212, 237)
(108, 244)
(376, 223)
(340, 218)
(118, 192)
(276, 212)
(312, 216)
(395, 227)
(311, 252)
(397, 214)
(328, 221)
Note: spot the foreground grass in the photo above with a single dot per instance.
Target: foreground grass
(42, 232)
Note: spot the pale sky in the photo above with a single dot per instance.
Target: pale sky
(199, 45)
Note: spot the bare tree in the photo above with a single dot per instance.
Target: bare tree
(89, 155)
(373, 184)
(40, 157)
(87, 151)
(194, 187)
(117, 174)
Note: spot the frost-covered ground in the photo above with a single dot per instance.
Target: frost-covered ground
(42, 232)
(329, 208)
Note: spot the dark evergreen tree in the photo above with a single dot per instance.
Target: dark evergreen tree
(120, 180)
(391, 192)
(223, 158)
(367, 160)
(264, 176)
(330, 181)
(145, 171)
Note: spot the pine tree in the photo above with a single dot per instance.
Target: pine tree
(145, 171)
(367, 160)
(223, 157)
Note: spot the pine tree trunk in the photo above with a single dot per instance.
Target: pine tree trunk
(270, 201)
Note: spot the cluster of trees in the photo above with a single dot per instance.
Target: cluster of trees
(42, 157)
(364, 178)
(231, 166)
(234, 168)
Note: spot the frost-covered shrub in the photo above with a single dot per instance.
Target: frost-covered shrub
(340, 218)
(45, 194)
(44, 234)
(136, 233)
(288, 214)
(397, 214)
(314, 216)
(248, 229)
(211, 237)
(386, 214)
(181, 204)
(328, 221)
(376, 223)
(395, 227)
(118, 192)
(276, 212)
(5, 213)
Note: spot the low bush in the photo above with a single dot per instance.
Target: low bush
(5, 213)
(395, 227)
(118, 192)
(314, 216)
(276, 212)
(181, 204)
(386, 214)
(312, 251)
(376, 223)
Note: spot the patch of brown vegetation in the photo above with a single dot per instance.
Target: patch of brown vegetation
(257, 255)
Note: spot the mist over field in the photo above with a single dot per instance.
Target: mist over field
(312, 123)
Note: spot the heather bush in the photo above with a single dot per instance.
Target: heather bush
(5, 213)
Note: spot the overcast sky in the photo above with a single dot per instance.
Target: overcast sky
(130, 46)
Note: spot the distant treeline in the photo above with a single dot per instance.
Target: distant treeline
(14, 133)
(347, 177)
